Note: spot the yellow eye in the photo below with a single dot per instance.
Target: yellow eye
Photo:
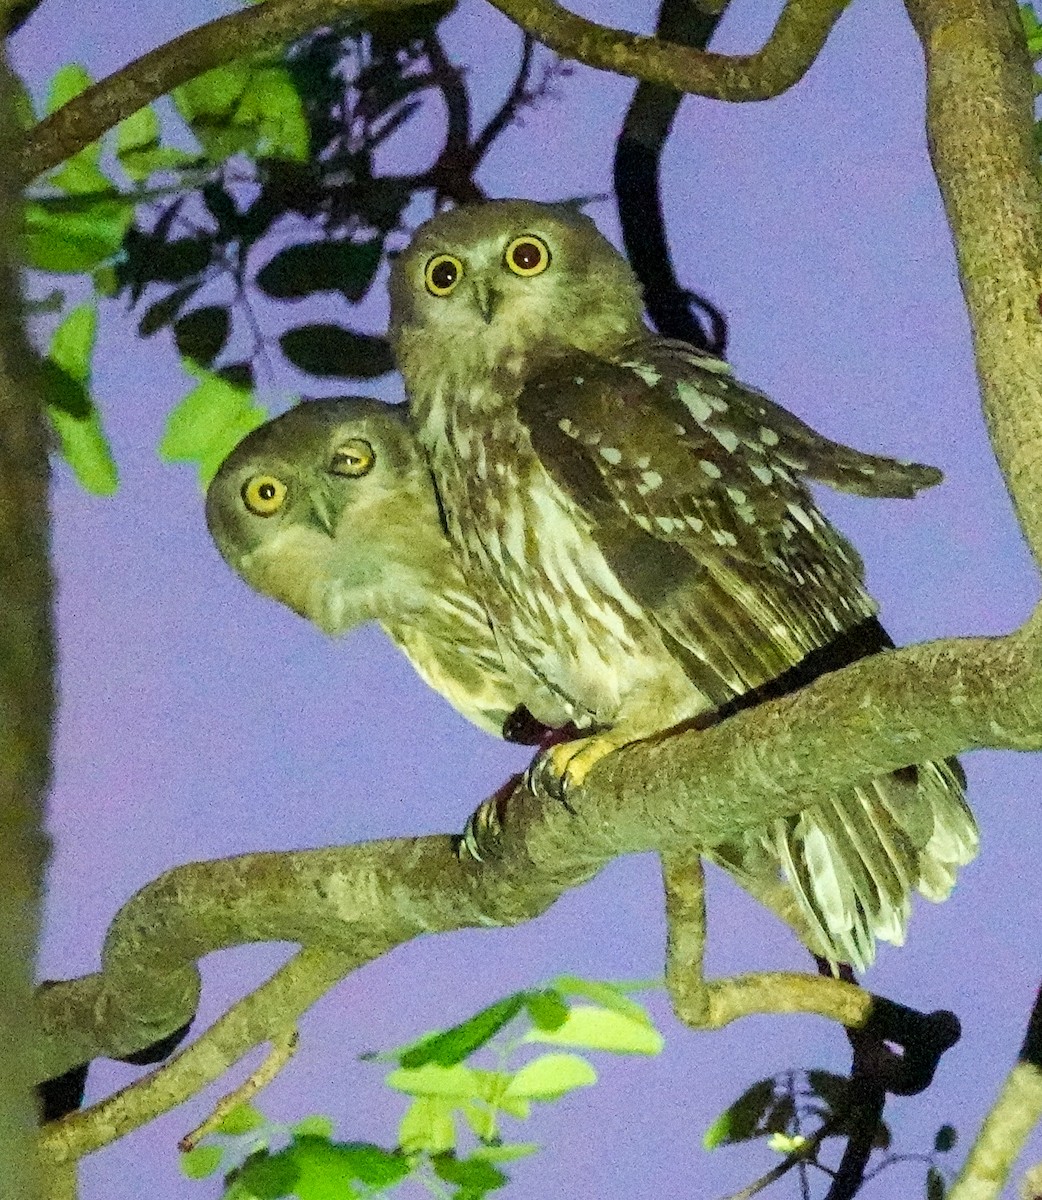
(528, 255)
(353, 458)
(443, 272)
(263, 495)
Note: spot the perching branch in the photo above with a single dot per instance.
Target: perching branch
(26, 685)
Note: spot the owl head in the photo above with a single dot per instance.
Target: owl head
(329, 508)
(508, 284)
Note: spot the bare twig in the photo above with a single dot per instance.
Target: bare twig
(638, 154)
(507, 111)
(283, 1047)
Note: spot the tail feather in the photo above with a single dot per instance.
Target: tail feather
(854, 860)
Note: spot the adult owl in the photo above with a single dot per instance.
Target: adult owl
(329, 508)
(634, 519)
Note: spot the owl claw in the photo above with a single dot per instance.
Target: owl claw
(484, 825)
(562, 769)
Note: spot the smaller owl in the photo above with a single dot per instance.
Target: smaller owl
(330, 509)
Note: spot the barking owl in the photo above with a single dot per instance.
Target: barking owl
(634, 519)
(330, 509)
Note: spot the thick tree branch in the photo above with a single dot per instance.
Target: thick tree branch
(259, 28)
(683, 790)
(980, 121)
(785, 58)
(1014, 1115)
(26, 684)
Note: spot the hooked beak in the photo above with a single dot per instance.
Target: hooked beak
(322, 514)
(487, 299)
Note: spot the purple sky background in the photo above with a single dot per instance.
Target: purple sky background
(199, 720)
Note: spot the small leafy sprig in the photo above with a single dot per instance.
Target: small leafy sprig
(451, 1137)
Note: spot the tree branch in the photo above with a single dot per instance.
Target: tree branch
(26, 683)
(980, 124)
(670, 794)
(259, 28)
(785, 58)
(1014, 1115)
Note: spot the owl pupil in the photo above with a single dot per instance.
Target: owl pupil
(444, 275)
(266, 491)
(526, 256)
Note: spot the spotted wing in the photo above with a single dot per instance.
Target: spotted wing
(693, 486)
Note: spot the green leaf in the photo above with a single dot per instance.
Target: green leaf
(740, 1122)
(453, 1045)
(70, 409)
(552, 1076)
(945, 1139)
(935, 1186)
(299, 271)
(68, 82)
(364, 1161)
(315, 1126)
(459, 1082)
(322, 1171)
(474, 1174)
(138, 131)
(138, 148)
(201, 1161)
(607, 995)
(329, 350)
(241, 1119)
(548, 1009)
(268, 1176)
(208, 423)
(245, 106)
(202, 333)
(602, 1029)
(507, 1152)
(427, 1125)
(483, 1119)
(72, 242)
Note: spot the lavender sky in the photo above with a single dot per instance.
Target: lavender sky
(198, 720)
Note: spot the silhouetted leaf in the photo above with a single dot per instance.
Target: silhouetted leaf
(452, 1046)
(220, 206)
(171, 262)
(298, 271)
(330, 350)
(238, 374)
(741, 1121)
(201, 334)
(935, 1187)
(945, 1139)
(157, 316)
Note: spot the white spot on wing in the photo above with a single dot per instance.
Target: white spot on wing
(650, 376)
(726, 437)
(737, 495)
(611, 454)
(768, 436)
(710, 468)
(801, 516)
(696, 403)
(652, 479)
(763, 474)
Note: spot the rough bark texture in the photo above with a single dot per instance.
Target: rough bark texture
(26, 688)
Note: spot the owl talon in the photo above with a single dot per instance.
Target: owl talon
(484, 825)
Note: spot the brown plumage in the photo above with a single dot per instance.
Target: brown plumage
(636, 523)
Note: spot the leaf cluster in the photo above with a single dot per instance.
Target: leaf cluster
(450, 1137)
